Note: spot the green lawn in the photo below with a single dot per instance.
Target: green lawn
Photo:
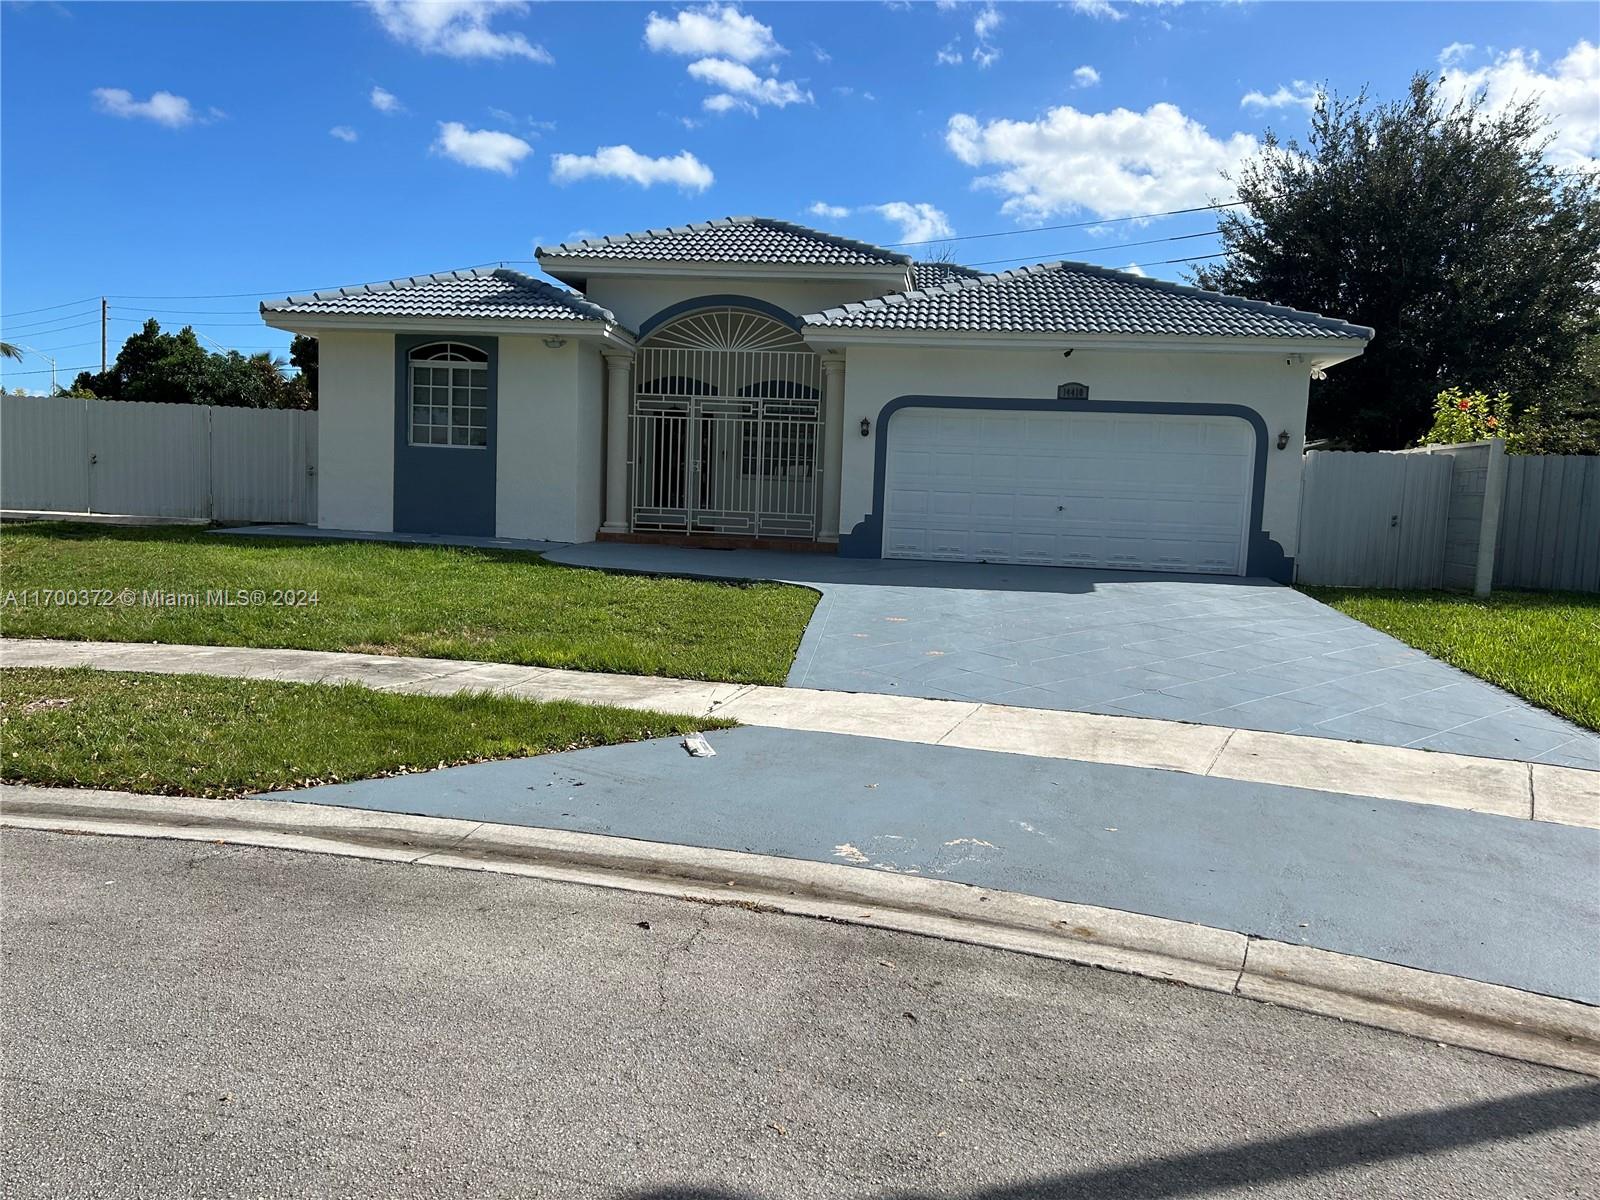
(1544, 646)
(433, 601)
(194, 735)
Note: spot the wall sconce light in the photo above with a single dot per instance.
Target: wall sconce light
(1066, 354)
(1283, 440)
(555, 343)
(866, 427)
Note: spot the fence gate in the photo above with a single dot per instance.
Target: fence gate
(1373, 520)
(726, 422)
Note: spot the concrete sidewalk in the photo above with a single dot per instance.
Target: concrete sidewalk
(1545, 793)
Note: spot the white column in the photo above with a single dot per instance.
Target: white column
(619, 365)
(832, 445)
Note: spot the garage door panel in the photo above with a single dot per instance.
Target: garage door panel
(1135, 491)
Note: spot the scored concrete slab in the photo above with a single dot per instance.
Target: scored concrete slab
(1235, 653)
(1564, 796)
(1392, 773)
(1503, 901)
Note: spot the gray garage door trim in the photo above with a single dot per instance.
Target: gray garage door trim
(1265, 558)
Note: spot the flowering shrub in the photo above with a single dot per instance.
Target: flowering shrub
(1460, 416)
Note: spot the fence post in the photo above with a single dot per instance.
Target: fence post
(211, 469)
(1494, 491)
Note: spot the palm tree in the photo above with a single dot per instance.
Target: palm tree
(7, 350)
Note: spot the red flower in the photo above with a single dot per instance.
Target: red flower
(1463, 405)
(1493, 422)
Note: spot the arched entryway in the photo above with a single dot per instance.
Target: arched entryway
(727, 421)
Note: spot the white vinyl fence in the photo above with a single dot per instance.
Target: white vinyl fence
(1467, 516)
(157, 460)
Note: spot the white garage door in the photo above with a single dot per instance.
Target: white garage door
(1124, 490)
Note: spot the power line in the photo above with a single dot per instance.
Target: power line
(65, 304)
(38, 333)
(27, 325)
(1117, 249)
(57, 369)
(198, 312)
(969, 237)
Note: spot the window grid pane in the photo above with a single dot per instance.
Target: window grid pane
(450, 405)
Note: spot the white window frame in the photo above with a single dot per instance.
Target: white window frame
(456, 400)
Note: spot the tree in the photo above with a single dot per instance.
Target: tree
(7, 350)
(303, 356)
(1442, 226)
(174, 368)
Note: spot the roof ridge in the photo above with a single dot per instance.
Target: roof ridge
(562, 249)
(1062, 264)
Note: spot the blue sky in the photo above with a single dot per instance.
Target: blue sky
(187, 159)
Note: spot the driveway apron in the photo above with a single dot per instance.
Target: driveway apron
(1498, 899)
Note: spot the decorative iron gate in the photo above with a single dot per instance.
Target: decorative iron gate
(727, 414)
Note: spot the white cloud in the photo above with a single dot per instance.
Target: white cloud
(683, 169)
(1301, 95)
(163, 107)
(487, 149)
(984, 25)
(1566, 92)
(456, 28)
(918, 222)
(743, 88)
(821, 55)
(1134, 269)
(986, 22)
(386, 102)
(950, 56)
(1102, 10)
(344, 133)
(719, 30)
(1085, 76)
(1454, 53)
(835, 212)
(1111, 164)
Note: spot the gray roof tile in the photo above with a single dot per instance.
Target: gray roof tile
(1070, 297)
(925, 275)
(731, 240)
(495, 293)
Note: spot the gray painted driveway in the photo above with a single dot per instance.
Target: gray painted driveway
(1241, 653)
(1493, 898)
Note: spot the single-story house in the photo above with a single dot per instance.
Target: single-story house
(757, 382)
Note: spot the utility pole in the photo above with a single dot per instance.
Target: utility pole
(102, 335)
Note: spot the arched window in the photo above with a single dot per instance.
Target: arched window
(449, 395)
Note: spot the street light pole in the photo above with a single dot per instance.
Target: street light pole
(47, 359)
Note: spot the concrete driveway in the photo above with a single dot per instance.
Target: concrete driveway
(1240, 653)
(1499, 899)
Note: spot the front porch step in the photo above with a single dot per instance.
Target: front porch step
(718, 541)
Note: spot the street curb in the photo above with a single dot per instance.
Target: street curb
(1444, 1008)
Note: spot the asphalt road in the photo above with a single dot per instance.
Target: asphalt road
(201, 1020)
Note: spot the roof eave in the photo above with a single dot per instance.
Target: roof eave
(582, 329)
(1322, 350)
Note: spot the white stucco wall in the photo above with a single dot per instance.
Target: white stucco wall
(355, 431)
(1274, 387)
(590, 450)
(549, 454)
(635, 299)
